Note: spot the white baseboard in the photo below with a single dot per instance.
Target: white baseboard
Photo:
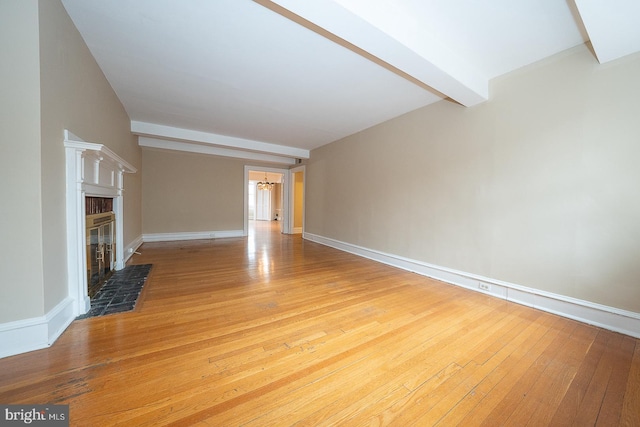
(614, 319)
(131, 248)
(36, 333)
(196, 235)
(296, 230)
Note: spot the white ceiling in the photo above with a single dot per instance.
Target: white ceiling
(272, 80)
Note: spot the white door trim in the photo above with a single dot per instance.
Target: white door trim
(302, 169)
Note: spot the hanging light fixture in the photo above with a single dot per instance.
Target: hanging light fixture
(266, 185)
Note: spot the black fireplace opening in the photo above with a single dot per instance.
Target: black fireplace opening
(101, 242)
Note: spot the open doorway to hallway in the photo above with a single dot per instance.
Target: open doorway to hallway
(284, 204)
(265, 199)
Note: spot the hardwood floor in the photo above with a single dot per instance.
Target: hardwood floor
(274, 330)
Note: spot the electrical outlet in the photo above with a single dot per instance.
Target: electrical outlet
(484, 286)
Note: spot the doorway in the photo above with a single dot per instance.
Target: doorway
(297, 199)
(265, 197)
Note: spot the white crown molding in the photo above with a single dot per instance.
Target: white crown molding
(194, 235)
(187, 135)
(614, 319)
(164, 144)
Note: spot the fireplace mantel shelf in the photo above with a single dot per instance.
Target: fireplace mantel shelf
(98, 152)
(102, 151)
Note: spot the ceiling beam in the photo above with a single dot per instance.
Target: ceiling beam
(164, 144)
(429, 65)
(613, 27)
(222, 141)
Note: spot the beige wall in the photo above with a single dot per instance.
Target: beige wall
(185, 192)
(75, 95)
(21, 283)
(537, 187)
(50, 83)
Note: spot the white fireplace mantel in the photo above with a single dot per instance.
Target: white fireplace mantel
(92, 170)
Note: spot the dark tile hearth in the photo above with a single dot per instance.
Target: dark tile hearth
(120, 293)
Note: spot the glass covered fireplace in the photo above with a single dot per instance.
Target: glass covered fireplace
(101, 249)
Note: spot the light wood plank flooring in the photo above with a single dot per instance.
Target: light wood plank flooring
(276, 331)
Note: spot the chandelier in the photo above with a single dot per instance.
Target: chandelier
(266, 185)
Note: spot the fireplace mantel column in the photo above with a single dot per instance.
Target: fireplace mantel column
(92, 170)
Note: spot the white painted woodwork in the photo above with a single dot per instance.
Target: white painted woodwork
(280, 78)
(296, 229)
(191, 235)
(92, 170)
(164, 144)
(432, 64)
(613, 27)
(173, 133)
